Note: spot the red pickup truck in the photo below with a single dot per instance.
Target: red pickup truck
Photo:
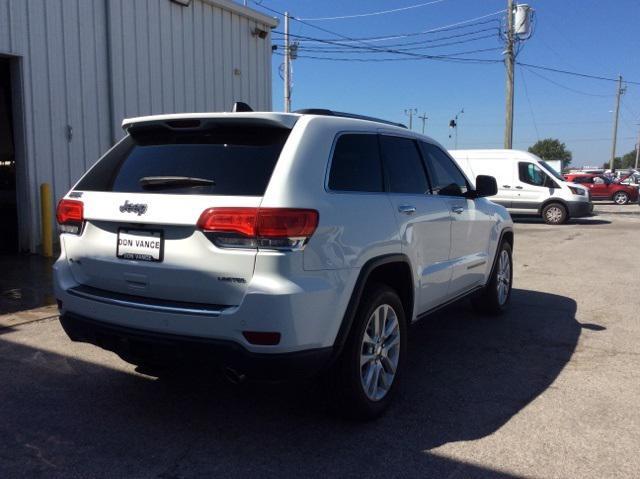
(602, 188)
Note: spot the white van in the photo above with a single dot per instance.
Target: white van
(527, 185)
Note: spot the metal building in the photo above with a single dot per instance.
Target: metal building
(71, 70)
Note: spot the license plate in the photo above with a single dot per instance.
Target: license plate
(141, 245)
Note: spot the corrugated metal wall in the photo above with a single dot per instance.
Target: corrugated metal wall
(168, 58)
(84, 65)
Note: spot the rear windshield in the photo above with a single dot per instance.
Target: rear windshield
(235, 161)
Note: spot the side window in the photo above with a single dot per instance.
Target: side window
(356, 165)
(446, 177)
(403, 165)
(531, 174)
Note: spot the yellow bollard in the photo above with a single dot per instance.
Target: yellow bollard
(46, 214)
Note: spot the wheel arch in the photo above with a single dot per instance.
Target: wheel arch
(389, 269)
(505, 235)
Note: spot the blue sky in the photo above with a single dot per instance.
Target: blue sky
(586, 36)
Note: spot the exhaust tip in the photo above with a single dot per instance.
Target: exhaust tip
(233, 376)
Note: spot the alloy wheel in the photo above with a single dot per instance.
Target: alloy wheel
(504, 277)
(380, 352)
(620, 198)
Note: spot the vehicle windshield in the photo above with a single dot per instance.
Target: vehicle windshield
(552, 171)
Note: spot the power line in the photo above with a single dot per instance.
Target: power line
(425, 47)
(364, 40)
(418, 42)
(526, 92)
(624, 105)
(372, 39)
(563, 86)
(391, 37)
(368, 49)
(452, 57)
(583, 75)
(379, 38)
(370, 14)
(626, 121)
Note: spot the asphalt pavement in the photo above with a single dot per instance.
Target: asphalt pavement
(550, 389)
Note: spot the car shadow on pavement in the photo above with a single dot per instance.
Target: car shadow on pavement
(466, 376)
(572, 221)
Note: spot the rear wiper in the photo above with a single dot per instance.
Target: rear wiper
(150, 182)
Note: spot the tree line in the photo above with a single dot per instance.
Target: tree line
(554, 149)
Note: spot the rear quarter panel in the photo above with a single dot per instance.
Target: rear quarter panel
(353, 227)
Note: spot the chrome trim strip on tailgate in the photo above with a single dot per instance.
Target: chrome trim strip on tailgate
(149, 304)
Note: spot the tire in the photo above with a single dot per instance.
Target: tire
(381, 372)
(494, 299)
(620, 198)
(555, 214)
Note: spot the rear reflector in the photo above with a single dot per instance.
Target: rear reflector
(273, 228)
(262, 338)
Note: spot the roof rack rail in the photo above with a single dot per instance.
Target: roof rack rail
(325, 112)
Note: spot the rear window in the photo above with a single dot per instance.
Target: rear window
(403, 164)
(235, 161)
(356, 164)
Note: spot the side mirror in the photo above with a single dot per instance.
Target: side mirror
(486, 186)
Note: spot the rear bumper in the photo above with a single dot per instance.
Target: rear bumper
(306, 310)
(580, 209)
(146, 347)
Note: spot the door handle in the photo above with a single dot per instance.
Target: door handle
(506, 186)
(518, 187)
(407, 209)
(457, 209)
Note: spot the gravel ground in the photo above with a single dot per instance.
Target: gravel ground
(548, 390)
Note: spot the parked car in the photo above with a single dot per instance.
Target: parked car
(602, 188)
(276, 245)
(527, 185)
(632, 178)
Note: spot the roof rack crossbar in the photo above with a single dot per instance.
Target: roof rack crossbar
(326, 112)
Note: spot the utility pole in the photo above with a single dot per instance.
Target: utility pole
(410, 112)
(615, 125)
(509, 60)
(287, 65)
(424, 119)
(637, 150)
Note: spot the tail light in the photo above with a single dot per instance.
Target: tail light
(265, 228)
(70, 216)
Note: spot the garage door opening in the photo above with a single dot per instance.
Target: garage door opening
(8, 201)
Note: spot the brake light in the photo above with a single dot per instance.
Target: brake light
(229, 220)
(70, 216)
(269, 228)
(286, 222)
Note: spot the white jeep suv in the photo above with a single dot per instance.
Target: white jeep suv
(276, 245)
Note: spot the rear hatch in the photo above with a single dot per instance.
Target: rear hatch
(141, 203)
